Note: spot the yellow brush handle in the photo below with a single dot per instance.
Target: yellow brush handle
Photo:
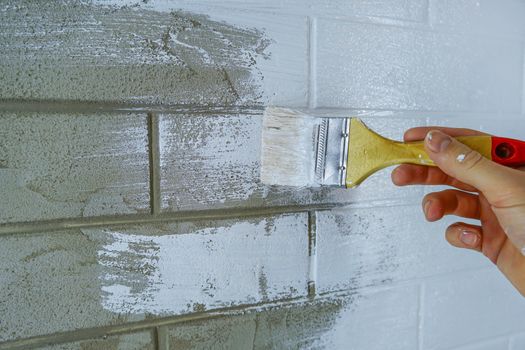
(369, 152)
(414, 152)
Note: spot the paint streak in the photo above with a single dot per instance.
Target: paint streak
(93, 51)
(217, 264)
(209, 160)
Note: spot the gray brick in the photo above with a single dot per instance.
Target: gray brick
(91, 52)
(93, 277)
(291, 327)
(386, 67)
(72, 165)
(135, 341)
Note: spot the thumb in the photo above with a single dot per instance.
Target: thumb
(469, 166)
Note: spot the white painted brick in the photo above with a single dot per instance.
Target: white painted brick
(517, 342)
(371, 246)
(135, 341)
(384, 319)
(386, 67)
(211, 161)
(79, 165)
(491, 344)
(409, 10)
(468, 307)
(501, 18)
(91, 277)
(500, 125)
(206, 265)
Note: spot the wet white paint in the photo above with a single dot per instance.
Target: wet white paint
(376, 320)
(186, 269)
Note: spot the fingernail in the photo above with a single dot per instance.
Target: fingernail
(426, 206)
(437, 141)
(469, 238)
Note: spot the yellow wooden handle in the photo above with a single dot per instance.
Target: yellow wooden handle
(369, 152)
(414, 152)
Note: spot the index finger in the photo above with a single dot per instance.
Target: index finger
(419, 133)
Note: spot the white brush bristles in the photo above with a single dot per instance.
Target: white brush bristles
(288, 148)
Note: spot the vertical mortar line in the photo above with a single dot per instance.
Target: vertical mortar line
(161, 334)
(312, 61)
(312, 252)
(154, 162)
(420, 315)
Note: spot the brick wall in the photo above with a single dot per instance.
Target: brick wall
(132, 216)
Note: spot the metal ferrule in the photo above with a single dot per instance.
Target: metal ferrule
(332, 151)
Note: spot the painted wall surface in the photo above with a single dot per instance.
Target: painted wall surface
(131, 211)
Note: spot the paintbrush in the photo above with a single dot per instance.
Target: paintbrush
(304, 150)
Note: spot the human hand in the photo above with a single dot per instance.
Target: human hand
(485, 191)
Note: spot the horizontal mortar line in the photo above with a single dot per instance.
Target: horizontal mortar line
(150, 325)
(110, 107)
(229, 213)
(190, 215)
(399, 283)
(107, 107)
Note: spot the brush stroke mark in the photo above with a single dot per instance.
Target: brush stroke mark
(179, 268)
(78, 50)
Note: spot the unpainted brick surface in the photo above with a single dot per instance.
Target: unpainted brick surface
(90, 52)
(92, 277)
(57, 165)
(135, 341)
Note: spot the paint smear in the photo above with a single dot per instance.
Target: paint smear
(151, 270)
